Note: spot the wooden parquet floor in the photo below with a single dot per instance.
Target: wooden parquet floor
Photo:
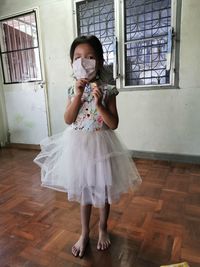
(160, 224)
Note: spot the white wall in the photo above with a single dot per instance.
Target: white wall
(162, 121)
(3, 120)
(55, 21)
(168, 120)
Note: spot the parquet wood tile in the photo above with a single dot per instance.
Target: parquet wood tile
(158, 224)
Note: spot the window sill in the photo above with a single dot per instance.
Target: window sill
(147, 88)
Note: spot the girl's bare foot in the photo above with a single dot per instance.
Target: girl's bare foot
(79, 248)
(104, 240)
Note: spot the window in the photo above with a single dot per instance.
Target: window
(20, 49)
(147, 25)
(97, 18)
(144, 55)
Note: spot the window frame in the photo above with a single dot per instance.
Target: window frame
(174, 70)
(23, 13)
(119, 62)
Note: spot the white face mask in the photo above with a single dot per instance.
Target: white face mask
(84, 68)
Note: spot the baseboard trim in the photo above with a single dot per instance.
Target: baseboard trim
(135, 154)
(23, 146)
(165, 156)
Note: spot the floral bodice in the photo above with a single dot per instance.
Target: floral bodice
(88, 118)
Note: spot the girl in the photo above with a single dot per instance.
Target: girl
(87, 160)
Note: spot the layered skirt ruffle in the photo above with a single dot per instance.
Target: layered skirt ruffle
(91, 167)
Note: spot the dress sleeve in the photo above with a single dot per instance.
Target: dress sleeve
(112, 90)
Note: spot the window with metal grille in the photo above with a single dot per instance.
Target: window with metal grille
(20, 49)
(147, 43)
(96, 17)
(145, 55)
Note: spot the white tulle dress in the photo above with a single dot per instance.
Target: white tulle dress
(87, 160)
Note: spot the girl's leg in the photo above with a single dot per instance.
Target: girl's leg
(104, 240)
(79, 248)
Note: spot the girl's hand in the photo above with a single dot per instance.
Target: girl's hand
(96, 92)
(80, 85)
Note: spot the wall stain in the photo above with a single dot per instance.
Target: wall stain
(18, 118)
(29, 124)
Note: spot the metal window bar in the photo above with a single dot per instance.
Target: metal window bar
(147, 42)
(19, 49)
(96, 17)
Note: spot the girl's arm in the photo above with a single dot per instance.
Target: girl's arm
(109, 113)
(73, 107)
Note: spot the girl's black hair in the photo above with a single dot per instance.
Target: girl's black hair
(91, 40)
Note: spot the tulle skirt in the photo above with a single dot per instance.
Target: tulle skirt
(92, 167)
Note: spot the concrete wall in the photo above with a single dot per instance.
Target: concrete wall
(165, 121)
